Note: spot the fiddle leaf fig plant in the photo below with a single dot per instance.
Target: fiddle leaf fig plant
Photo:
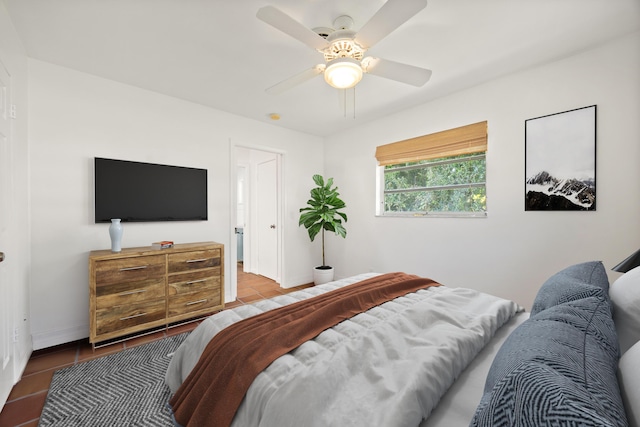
(323, 211)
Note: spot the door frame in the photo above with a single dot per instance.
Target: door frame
(9, 345)
(231, 254)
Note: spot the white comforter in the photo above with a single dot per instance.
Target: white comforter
(388, 366)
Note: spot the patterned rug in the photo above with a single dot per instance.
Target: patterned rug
(122, 389)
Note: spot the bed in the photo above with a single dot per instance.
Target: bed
(437, 356)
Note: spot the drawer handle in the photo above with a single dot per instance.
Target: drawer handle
(137, 291)
(134, 316)
(196, 302)
(140, 267)
(196, 281)
(197, 260)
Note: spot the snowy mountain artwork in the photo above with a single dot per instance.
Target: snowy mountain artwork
(560, 162)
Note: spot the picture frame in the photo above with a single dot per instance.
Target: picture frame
(560, 161)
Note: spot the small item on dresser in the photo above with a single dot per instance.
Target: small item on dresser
(165, 244)
(115, 233)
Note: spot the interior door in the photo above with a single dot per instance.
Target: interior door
(6, 348)
(241, 175)
(267, 210)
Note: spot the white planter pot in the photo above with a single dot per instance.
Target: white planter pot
(322, 275)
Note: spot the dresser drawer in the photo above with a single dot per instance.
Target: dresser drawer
(194, 260)
(193, 302)
(121, 317)
(129, 269)
(129, 292)
(194, 281)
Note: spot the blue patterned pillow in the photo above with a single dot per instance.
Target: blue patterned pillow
(558, 368)
(573, 283)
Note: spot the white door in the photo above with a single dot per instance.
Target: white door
(6, 348)
(267, 212)
(241, 175)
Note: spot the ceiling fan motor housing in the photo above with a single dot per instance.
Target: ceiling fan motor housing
(342, 45)
(343, 56)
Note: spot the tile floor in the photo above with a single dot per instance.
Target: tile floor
(27, 398)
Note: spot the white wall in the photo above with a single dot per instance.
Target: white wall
(75, 117)
(511, 252)
(15, 274)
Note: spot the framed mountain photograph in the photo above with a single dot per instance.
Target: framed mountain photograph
(560, 161)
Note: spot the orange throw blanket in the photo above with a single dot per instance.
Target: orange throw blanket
(216, 386)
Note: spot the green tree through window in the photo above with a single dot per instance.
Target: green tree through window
(453, 184)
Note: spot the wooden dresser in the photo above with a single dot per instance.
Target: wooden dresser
(140, 289)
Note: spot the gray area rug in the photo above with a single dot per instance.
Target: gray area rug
(122, 389)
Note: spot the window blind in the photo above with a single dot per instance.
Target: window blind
(463, 140)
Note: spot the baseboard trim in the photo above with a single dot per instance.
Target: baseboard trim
(293, 282)
(51, 338)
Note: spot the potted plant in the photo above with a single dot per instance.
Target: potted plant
(323, 213)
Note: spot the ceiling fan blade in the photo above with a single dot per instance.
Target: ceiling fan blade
(283, 22)
(389, 17)
(404, 73)
(296, 80)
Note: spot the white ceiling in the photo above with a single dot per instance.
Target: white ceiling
(217, 53)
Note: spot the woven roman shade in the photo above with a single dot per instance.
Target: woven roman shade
(463, 140)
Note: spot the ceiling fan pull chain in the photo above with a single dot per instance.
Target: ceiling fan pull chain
(354, 103)
(344, 92)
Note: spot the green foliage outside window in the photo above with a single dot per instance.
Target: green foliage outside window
(451, 184)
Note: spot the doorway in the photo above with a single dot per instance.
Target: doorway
(257, 215)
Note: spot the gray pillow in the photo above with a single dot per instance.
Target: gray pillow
(557, 368)
(573, 283)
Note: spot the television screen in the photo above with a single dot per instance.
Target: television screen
(135, 191)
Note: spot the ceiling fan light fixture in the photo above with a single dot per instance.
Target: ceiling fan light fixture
(343, 73)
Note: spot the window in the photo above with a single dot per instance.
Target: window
(441, 174)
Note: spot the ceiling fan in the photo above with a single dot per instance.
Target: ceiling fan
(344, 48)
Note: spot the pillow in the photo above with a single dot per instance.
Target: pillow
(625, 298)
(575, 282)
(629, 378)
(558, 368)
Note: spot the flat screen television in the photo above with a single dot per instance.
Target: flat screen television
(135, 191)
